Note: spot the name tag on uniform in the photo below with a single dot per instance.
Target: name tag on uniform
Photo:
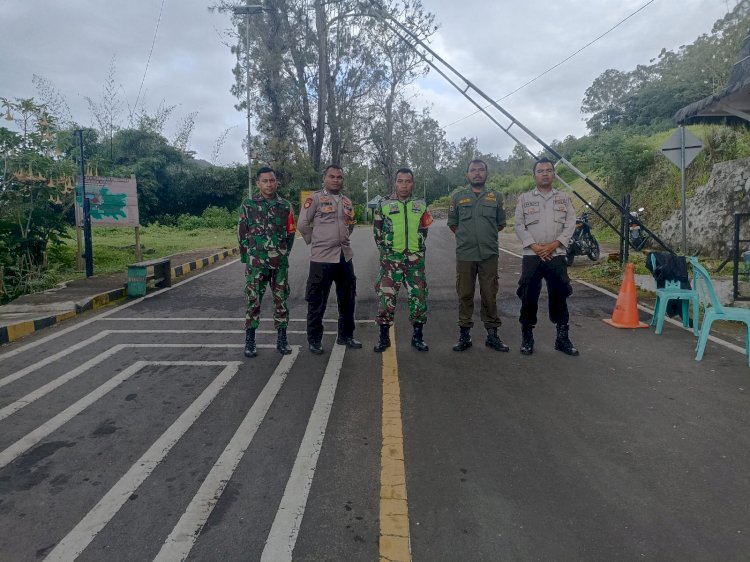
(529, 204)
(327, 209)
(465, 201)
(559, 201)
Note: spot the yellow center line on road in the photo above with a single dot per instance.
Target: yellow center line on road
(394, 511)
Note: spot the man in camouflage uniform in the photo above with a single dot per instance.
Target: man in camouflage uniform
(266, 232)
(400, 227)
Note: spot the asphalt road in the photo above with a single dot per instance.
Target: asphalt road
(143, 433)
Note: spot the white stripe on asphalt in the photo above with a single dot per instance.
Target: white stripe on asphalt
(102, 315)
(29, 440)
(219, 319)
(182, 538)
(283, 535)
(67, 351)
(70, 375)
(52, 358)
(13, 407)
(82, 534)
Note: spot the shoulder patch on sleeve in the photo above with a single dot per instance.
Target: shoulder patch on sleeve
(308, 203)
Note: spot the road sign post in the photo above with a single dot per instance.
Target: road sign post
(681, 149)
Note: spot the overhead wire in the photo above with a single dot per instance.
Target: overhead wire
(148, 61)
(551, 68)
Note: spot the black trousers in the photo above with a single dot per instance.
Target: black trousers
(555, 273)
(319, 281)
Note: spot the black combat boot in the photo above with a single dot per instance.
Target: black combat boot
(464, 339)
(527, 341)
(495, 342)
(384, 341)
(416, 338)
(316, 346)
(281, 343)
(563, 343)
(250, 349)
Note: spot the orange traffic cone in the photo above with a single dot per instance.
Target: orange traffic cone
(625, 314)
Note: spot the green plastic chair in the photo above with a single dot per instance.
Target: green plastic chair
(715, 311)
(672, 291)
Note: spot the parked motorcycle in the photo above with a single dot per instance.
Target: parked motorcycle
(583, 242)
(638, 238)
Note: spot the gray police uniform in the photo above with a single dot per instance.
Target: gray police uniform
(543, 218)
(325, 222)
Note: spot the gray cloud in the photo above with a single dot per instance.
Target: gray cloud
(498, 46)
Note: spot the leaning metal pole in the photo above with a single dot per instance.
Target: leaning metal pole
(413, 41)
(247, 101)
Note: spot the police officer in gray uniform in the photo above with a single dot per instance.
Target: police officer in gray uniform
(545, 222)
(325, 222)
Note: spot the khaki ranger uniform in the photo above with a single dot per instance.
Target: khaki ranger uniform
(325, 222)
(400, 230)
(543, 218)
(477, 218)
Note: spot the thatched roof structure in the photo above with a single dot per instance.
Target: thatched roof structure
(732, 101)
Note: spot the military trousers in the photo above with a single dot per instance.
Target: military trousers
(398, 269)
(256, 281)
(555, 273)
(319, 281)
(467, 273)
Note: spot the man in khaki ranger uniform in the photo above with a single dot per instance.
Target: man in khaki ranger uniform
(400, 229)
(545, 222)
(325, 222)
(476, 216)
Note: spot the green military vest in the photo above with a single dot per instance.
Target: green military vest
(401, 224)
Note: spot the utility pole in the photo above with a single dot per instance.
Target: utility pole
(247, 11)
(86, 205)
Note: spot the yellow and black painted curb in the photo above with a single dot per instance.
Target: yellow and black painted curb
(14, 332)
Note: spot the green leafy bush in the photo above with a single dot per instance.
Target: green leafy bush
(212, 217)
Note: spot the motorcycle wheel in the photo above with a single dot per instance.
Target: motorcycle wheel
(638, 243)
(594, 252)
(569, 257)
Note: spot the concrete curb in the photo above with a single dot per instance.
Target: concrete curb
(17, 331)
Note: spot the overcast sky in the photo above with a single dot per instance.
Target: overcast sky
(498, 45)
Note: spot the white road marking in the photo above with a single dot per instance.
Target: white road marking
(29, 440)
(13, 407)
(82, 534)
(219, 319)
(106, 313)
(52, 358)
(70, 375)
(67, 351)
(182, 538)
(283, 535)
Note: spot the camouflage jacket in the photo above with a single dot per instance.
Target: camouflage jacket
(265, 231)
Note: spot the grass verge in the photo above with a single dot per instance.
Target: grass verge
(114, 248)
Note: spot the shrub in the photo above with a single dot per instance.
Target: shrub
(212, 217)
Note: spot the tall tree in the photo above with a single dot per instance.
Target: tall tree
(330, 64)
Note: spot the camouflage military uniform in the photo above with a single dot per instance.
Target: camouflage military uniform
(266, 234)
(400, 229)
